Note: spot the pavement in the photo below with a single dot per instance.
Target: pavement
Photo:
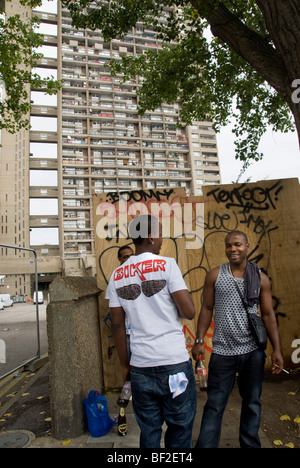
(25, 418)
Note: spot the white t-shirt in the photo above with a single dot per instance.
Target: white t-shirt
(127, 324)
(142, 286)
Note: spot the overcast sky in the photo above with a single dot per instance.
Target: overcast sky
(281, 157)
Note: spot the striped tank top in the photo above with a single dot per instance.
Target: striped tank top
(232, 335)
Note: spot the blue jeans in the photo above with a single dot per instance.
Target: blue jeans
(153, 404)
(221, 378)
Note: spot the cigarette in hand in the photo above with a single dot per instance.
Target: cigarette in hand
(284, 370)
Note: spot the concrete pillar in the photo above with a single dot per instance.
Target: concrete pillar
(74, 347)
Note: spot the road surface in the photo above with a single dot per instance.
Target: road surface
(18, 335)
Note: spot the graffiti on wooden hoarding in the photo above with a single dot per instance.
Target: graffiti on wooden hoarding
(266, 211)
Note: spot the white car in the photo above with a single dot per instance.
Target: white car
(6, 300)
(39, 296)
(1, 305)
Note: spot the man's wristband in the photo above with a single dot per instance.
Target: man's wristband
(198, 341)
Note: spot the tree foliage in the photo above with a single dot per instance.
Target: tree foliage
(18, 40)
(228, 75)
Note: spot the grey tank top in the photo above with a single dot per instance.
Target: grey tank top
(232, 335)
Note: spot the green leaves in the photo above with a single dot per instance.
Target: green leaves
(210, 79)
(17, 59)
(115, 17)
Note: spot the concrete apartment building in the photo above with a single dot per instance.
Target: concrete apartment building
(90, 140)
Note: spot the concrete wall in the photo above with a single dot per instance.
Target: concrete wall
(75, 360)
(67, 267)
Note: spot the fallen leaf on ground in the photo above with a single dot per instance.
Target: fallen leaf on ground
(285, 417)
(292, 393)
(277, 442)
(66, 442)
(297, 420)
(25, 394)
(48, 419)
(290, 445)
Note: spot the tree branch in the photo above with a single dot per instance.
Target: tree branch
(282, 18)
(252, 47)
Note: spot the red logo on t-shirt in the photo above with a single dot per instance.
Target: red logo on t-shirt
(140, 269)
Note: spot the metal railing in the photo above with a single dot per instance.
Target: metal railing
(37, 355)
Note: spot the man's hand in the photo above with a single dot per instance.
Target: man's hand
(277, 362)
(126, 373)
(198, 350)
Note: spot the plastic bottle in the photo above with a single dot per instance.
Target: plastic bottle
(98, 402)
(124, 398)
(122, 425)
(202, 374)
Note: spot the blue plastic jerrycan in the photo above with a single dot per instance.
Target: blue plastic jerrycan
(99, 422)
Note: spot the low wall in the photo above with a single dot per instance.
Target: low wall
(74, 347)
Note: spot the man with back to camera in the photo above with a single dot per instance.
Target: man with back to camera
(150, 289)
(234, 348)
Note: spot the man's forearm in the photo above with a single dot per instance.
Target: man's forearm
(204, 322)
(121, 343)
(272, 330)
